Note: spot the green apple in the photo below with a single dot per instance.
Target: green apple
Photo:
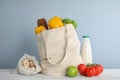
(66, 21)
(72, 71)
(74, 24)
(69, 21)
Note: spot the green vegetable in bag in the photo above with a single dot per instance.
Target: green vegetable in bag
(69, 21)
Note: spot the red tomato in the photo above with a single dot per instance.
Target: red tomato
(83, 73)
(97, 70)
(101, 67)
(90, 71)
(81, 68)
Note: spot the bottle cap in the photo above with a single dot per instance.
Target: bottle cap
(86, 36)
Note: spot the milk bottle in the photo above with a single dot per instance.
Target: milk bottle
(86, 50)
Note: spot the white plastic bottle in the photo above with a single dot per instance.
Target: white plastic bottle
(86, 50)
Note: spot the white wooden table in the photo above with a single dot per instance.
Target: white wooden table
(11, 74)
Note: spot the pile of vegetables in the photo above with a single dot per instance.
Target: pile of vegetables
(90, 70)
(55, 22)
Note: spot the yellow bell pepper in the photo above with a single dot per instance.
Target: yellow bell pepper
(39, 29)
(55, 22)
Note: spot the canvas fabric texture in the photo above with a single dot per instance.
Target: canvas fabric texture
(58, 48)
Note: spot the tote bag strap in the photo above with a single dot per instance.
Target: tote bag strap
(67, 42)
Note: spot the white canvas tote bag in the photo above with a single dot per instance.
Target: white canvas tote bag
(58, 48)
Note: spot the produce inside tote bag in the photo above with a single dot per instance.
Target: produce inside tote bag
(58, 48)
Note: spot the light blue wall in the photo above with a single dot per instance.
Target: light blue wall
(98, 18)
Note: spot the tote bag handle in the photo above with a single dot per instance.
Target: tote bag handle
(67, 42)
